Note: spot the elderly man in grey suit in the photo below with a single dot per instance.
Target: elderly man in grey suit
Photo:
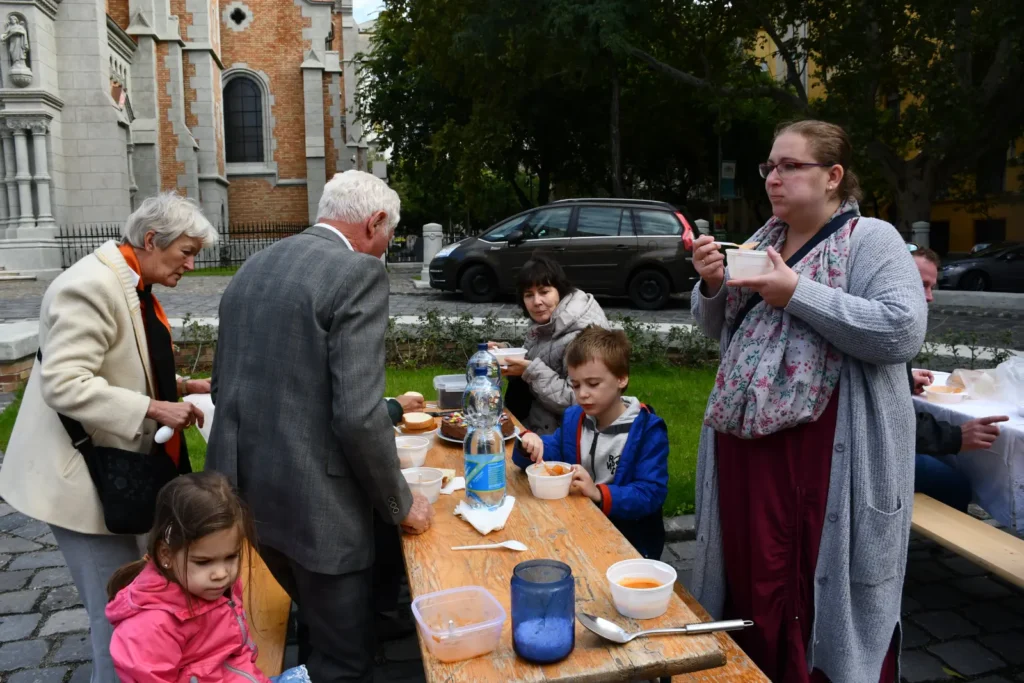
(302, 428)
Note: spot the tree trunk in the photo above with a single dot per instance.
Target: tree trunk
(543, 185)
(914, 196)
(616, 139)
(524, 201)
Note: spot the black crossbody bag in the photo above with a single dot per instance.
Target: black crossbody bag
(127, 482)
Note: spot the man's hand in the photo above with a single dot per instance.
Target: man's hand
(979, 434)
(420, 516)
(777, 287)
(533, 446)
(922, 379)
(583, 484)
(411, 404)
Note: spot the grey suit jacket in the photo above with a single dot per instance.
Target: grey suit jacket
(298, 381)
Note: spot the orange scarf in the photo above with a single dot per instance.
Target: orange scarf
(172, 447)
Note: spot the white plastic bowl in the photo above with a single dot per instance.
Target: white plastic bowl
(641, 603)
(425, 481)
(935, 394)
(412, 450)
(504, 355)
(1020, 409)
(549, 487)
(746, 263)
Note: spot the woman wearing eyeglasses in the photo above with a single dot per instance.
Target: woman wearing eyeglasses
(805, 475)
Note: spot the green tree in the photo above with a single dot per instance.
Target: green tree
(955, 67)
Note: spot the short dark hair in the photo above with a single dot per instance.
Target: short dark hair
(928, 255)
(611, 347)
(542, 271)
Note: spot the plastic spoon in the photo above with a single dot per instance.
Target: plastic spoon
(613, 632)
(744, 246)
(163, 435)
(511, 545)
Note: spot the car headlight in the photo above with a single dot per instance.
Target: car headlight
(952, 267)
(446, 251)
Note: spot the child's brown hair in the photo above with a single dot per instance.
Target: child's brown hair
(188, 508)
(611, 347)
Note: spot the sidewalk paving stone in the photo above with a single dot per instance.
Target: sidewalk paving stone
(944, 625)
(49, 675)
(967, 657)
(22, 654)
(67, 621)
(18, 626)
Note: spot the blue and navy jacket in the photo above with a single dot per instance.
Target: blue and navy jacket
(634, 499)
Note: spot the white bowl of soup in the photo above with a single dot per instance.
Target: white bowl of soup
(942, 393)
(549, 480)
(641, 589)
(747, 263)
(412, 450)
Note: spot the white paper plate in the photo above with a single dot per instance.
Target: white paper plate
(459, 441)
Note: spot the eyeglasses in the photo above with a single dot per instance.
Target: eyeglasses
(786, 167)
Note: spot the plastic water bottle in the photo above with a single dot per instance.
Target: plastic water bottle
(484, 446)
(484, 449)
(481, 402)
(484, 359)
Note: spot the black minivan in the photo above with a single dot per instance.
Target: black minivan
(610, 247)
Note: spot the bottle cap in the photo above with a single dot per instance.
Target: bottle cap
(482, 346)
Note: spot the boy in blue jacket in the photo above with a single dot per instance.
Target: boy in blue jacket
(617, 445)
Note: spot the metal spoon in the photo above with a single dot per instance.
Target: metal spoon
(613, 632)
(511, 545)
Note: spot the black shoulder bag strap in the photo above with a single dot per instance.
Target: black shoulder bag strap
(80, 439)
(831, 228)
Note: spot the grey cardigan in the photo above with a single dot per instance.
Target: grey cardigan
(879, 325)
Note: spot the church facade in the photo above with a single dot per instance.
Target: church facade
(248, 106)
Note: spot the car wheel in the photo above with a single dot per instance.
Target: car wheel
(479, 285)
(974, 281)
(649, 290)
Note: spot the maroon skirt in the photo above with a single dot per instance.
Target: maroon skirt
(772, 494)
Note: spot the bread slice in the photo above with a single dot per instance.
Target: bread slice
(414, 394)
(446, 476)
(417, 421)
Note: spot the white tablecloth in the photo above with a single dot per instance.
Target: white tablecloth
(996, 474)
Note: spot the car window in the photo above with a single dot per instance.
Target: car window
(658, 223)
(500, 232)
(548, 224)
(595, 221)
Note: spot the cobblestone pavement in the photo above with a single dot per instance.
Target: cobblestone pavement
(200, 297)
(960, 623)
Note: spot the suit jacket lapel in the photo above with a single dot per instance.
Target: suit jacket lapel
(109, 255)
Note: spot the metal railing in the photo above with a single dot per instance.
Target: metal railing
(238, 241)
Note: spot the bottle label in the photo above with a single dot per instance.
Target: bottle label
(485, 472)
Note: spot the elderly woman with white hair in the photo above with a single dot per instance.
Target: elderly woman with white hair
(105, 379)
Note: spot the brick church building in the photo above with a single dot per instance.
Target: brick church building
(248, 106)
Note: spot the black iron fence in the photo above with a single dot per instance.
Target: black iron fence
(238, 241)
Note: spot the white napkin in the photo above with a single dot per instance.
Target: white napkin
(205, 403)
(456, 484)
(483, 520)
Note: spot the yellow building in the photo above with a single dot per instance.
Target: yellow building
(956, 226)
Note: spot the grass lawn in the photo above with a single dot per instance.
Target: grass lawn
(227, 271)
(678, 395)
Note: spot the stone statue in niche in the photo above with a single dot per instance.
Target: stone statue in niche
(16, 37)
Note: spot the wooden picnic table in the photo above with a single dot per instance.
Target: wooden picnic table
(572, 530)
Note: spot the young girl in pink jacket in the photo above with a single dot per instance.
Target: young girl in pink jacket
(178, 614)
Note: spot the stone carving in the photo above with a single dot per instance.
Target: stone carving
(16, 38)
(36, 124)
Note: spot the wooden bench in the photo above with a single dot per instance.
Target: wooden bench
(268, 608)
(995, 550)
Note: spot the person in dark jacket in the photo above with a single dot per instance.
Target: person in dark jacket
(934, 473)
(617, 445)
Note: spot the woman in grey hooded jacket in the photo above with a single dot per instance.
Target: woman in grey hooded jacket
(558, 312)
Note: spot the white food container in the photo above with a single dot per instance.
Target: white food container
(459, 623)
(641, 603)
(504, 355)
(549, 487)
(940, 394)
(412, 450)
(747, 263)
(425, 481)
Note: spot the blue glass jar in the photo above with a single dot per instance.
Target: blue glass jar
(543, 611)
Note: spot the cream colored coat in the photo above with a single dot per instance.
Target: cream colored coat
(96, 370)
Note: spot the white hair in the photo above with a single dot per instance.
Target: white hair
(354, 196)
(170, 216)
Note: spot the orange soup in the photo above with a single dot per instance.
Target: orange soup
(639, 583)
(940, 389)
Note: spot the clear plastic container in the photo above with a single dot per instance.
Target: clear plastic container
(484, 359)
(459, 623)
(449, 391)
(481, 402)
(484, 457)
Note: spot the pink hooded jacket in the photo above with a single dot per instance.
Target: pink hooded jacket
(157, 639)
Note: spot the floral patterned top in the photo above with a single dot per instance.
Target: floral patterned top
(778, 372)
